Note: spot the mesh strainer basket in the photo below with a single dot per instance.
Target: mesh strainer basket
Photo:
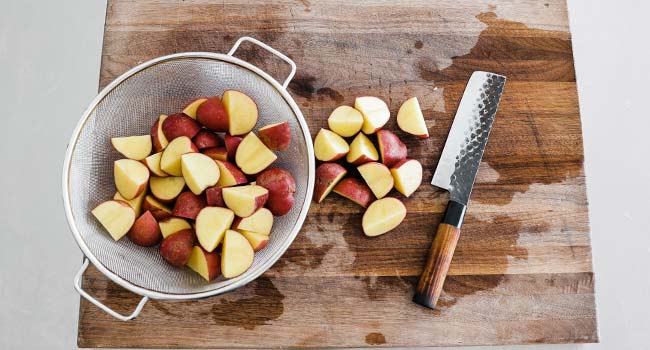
(129, 106)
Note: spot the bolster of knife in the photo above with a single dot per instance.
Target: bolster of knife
(442, 249)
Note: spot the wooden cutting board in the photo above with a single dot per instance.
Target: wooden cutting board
(522, 271)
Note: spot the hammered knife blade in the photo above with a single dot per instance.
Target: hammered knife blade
(456, 172)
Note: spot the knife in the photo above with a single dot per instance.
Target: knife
(456, 172)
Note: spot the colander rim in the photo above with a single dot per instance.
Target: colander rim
(237, 281)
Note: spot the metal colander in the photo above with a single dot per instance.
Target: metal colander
(129, 106)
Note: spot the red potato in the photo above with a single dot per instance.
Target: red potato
(199, 172)
(117, 217)
(362, 150)
(190, 109)
(133, 147)
(382, 216)
(242, 112)
(345, 121)
(253, 156)
(135, 203)
(237, 254)
(328, 146)
(245, 200)
(216, 153)
(206, 139)
(232, 142)
(378, 177)
(166, 189)
(157, 135)
(230, 174)
(411, 120)
(131, 177)
(281, 186)
(145, 231)
(391, 149)
(188, 205)
(206, 264)
(177, 248)
(257, 240)
(375, 113)
(260, 222)
(327, 176)
(407, 175)
(177, 125)
(214, 197)
(276, 137)
(354, 190)
(211, 225)
(212, 114)
(157, 209)
(172, 225)
(170, 161)
(153, 163)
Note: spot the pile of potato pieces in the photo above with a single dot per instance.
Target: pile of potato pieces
(379, 170)
(195, 188)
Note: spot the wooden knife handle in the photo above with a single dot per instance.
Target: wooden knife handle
(442, 249)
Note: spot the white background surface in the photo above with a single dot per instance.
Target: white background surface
(49, 69)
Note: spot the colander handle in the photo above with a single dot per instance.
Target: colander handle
(269, 49)
(83, 293)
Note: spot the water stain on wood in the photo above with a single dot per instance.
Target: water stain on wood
(309, 87)
(375, 338)
(266, 301)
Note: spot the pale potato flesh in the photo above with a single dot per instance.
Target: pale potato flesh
(242, 112)
(211, 224)
(257, 240)
(172, 225)
(260, 222)
(361, 148)
(135, 203)
(375, 113)
(378, 178)
(190, 109)
(133, 147)
(199, 171)
(410, 118)
(116, 217)
(166, 188)
(237, 254)
(244, 200)
(130, 177)
(329, 146)
(408, 176)
(345, 121)
(382, 216)
(253, 156)
(170, 162)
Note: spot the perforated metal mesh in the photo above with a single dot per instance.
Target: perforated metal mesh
(130, 109)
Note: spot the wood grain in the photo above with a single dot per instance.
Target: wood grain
(522, 268)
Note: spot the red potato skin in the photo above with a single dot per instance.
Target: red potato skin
(327, 175)
(363, 159)
(213, 260)
(157, 212)
(145, 231)
(176, 248)
(216, 153)
(154, 136)
(188, 205)
(206, 139)
(232, 142)
(355, 191)
(391, 148)
(281, 186)
(212, 114)
(214, 198)
(179, 124)
(276, 137)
